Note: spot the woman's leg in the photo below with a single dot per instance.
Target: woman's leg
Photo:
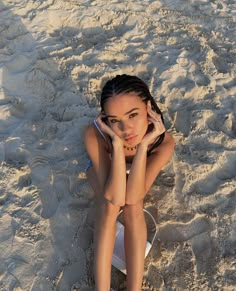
(135, 244)
(104, 235)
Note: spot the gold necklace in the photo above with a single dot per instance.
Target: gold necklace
(130, 148)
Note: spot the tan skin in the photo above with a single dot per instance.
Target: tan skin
(128, 119)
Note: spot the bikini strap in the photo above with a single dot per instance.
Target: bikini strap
(99, 130)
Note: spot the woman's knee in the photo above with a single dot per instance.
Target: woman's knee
(132, 213)
(107, 209)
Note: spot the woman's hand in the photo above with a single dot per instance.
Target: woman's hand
(106, 129)
(158, 128)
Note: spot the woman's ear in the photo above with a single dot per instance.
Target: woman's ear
(149, 104)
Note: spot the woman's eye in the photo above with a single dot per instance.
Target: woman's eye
(133, 115)
(113, 120)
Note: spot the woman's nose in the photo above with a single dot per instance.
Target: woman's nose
(124, 125)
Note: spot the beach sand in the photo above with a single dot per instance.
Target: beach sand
(54, 58)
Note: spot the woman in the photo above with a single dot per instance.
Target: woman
(128, 145)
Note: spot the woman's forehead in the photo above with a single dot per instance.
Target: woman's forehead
(121, 104)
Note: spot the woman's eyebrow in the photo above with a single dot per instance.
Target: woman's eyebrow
(128, 112)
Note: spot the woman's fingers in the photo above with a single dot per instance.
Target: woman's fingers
(156, 120)
(104, 127)
(158, 125)
(153, 114)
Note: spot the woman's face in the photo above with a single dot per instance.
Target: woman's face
(127, 116)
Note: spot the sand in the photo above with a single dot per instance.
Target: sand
(54, 58)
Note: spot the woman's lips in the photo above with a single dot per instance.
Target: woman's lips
(130, 138)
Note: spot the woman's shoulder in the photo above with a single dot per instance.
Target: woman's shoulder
(169, 139)
(90, 133)
(92, 137)
(168, 144)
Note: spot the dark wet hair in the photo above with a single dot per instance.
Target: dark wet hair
(122, 84)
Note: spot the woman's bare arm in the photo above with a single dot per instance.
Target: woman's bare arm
(145, 170)
(111, 173)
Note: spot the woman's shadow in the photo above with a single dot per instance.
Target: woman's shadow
(42, 116)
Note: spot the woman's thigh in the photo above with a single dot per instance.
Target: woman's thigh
(93, 181)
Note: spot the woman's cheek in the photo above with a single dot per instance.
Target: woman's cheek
(144, 122)
(145, 126)
(114, 127)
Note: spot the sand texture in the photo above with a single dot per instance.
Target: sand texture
(54, 57)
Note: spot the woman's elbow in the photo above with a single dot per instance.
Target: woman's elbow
(115, 201)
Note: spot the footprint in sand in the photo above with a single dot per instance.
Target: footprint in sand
(180, 180)
(41, 175)
(166, 179)
(182, 121)
(226, 170)
(6, 229)
(154, 278)
(178, 232)
(221, 64)
(41, 84)
(74, 271)
(223, 122)
(202, 249)
(64, 114)
(24, 181)
(84, 238)
(13, 150)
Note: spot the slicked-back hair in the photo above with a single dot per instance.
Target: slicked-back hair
(124, 84)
